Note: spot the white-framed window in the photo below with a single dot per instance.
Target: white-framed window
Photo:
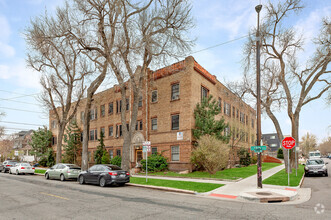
(119, 130)
(111, 154)
(175, 91)
(154, 96)
(110, 131)
(174, 153)
(154, 150)
(204, 92)
(273, 137)
(110, 108)
(103, 131)
(154, 124)
(175, 122)
(53, 124)
(93, 114)
(102, 110)
(227, 109)
(93, 135)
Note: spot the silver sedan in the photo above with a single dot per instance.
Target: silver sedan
(63, 171)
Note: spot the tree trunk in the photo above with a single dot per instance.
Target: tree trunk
(60, 133)
(295, 135)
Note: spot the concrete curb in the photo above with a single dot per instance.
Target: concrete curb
(301, 181)
(163, 188)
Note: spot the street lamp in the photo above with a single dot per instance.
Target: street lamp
(258, 104)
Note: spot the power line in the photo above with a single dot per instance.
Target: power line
(1, 90)
(220, 44)
(29, 103)
(21, 110)
(19, 123)
(22, 129)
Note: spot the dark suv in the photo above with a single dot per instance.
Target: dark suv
(6, 165)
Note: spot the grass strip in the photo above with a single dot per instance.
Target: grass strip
(230, 174)
(194, 186)
(39, 171)
(280, 178)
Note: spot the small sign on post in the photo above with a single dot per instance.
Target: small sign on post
(288, 143)
(146, 148)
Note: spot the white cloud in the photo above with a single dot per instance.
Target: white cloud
(20, 75)
(5, 49)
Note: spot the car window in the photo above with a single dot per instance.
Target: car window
(12, 163)
(61, 166)
(114, 167)
(55, 166)
(93, 168)
(101, 168)
(315, 162)
(25, 164)
(73, 166)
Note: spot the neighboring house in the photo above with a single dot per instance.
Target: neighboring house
(165, 115)
(272, 142)
(21, 144)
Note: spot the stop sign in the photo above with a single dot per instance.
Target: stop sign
(288, 142)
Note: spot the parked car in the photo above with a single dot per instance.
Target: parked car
(22, 168)
(316, 166)
(104, 174)
(6, 165)
(36, 165)
(63, 171)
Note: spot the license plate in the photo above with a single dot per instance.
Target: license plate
(315, 171)
(122, 175)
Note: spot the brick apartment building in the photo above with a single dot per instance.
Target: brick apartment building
(165, 115)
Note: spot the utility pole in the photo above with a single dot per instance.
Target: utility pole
(258, 104)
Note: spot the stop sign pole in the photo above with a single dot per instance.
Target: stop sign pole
(288, 143)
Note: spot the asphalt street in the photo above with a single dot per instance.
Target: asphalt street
(33, 197)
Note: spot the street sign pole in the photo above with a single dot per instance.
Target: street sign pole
(288, 166)
(146, 165)
(296, 161)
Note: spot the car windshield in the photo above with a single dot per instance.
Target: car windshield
(73, 166)
(114, 167)
(11, 163)
(25, 164)
(315, 162)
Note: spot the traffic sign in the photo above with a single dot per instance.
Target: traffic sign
(288, 142)
(146, 148)
(258, 149)
(146, 143)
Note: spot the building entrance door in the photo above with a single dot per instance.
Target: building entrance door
(139, 156)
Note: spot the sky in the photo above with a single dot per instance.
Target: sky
(218, 22)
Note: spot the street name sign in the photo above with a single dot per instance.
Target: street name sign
(258, 149)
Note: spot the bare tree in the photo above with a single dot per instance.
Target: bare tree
(63, 67)
(286, 83)
(325, 146)
(131, 36)
(2, 129)
(308, 143)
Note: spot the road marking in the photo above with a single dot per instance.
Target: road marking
(291, 189)
(223, 196)
(54, 196)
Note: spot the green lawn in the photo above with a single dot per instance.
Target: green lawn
(280, 178)
(39, 171)
(230, 174)
(197, 187)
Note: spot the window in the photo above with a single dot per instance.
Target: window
(111, 154)
(246, 119)
(273, 137)
(237, 113)
(227, 109)
(93, 114)
(227, 131)
(154, 124)
(118, 152)
(110, 108)
(103, 131)
(242, 117)
(175, 153)
(53, 124)
(111, 132)
(81, 136)
(81, 116)
(220, 104)
(154, 96)
(233, 112)
(119, 130)
(54, 140)
(118, 106)
(102, 110)
(140, 102)
(139, 125)
(93, 135)
(204, 92)
(127, 104)
(175, 122)
(252, 123)
(154, 150)
(273, 145)
(175, 91)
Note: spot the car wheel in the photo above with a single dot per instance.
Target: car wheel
(326, 174)
(47, 176)
(62, 178)
(102, 182)
(81, 179)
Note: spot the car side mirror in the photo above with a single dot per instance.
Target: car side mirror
(327, 163)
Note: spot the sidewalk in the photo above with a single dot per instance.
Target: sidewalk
(246, 189)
